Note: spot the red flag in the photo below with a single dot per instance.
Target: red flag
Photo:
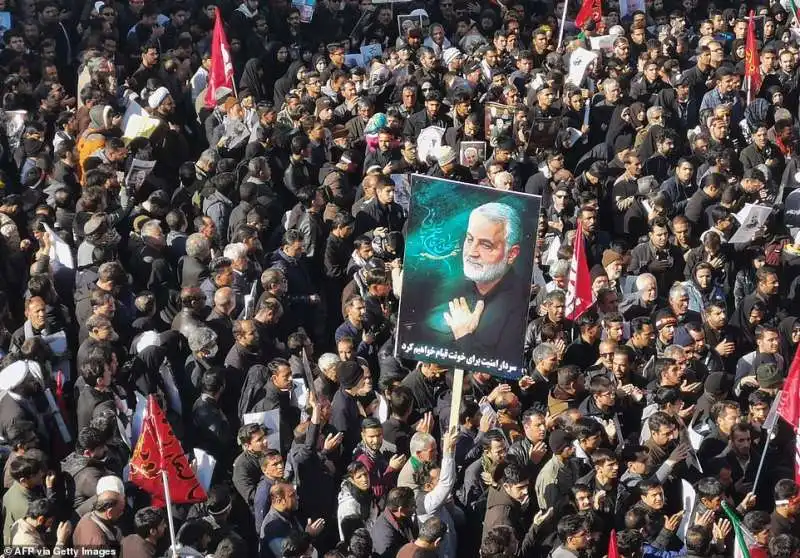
(752, 65)
(158, 449)
(591, 9)
(789, 406)
(579, 289)
(613, 551)
(221, 72)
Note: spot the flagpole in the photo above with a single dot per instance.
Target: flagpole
(563, 22)
(170, 519)
(771, 421)
(749, 88)
(164, 479)
(761, 461)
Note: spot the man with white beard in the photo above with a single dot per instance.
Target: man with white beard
(494, 295)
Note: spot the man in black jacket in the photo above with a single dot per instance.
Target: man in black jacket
(244, 354)
(313, 462)
(508, 504)
(530, 451)
(425, 383)
(84, 467)
(299, 173)
(430, 116)
(382, 211)
(354, 381)
(211, 428)
(395, 527)
(658, 256)
(247, 466)
(385, 153)
(278, 396)
(301, 291)
(259, 176)
(595, 242)
(708, 194)
(97, 376)
(193, 267)
(150, 267)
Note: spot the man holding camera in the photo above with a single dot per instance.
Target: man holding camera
(658, 256)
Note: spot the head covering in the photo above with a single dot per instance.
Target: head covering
(222, 93)
(450, 54)
(610, 256)
(349, 374)
(14, 374)
(110, 483)
(157, 97)
(682, 338)
(339, 131)
(251, 81)
(445, 155)
(559, 440)
(717, 384)
(597, 271)
(768, 376)
(287, 82)
(323, 103)
(375, 123)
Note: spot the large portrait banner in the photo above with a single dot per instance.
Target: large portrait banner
(467, 276)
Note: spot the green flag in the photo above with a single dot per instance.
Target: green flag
(744, 539)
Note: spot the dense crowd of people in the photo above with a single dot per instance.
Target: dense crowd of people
(239, 250)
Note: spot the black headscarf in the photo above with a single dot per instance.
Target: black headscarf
(252, 81)
(273, 69)
(785, 330)
(287, 82)
(620, 128)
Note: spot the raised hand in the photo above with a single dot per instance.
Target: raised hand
(460, 319)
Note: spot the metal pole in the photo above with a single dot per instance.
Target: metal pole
(763, 457)
(170, 519)
(563, 22)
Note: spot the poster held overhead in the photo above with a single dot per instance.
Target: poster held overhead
(468, 264)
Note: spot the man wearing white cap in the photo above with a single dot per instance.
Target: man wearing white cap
(169, 146)
(447, 167)
(453, 59)
(98, 529)
(19, 384)
(161, 97)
